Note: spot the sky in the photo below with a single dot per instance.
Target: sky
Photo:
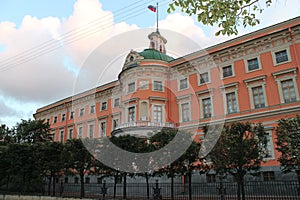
(45, 45)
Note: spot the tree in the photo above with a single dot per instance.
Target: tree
(288, 140)
(51, 161)
(78, 160)
(240, 148)
(226, 14)
(32, 131)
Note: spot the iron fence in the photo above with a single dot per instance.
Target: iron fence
(257, 190)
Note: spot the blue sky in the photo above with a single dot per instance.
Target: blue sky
(31, 76)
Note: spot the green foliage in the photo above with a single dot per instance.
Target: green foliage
(288, 143)
(240, 148)
(227, 15)
(32, 131)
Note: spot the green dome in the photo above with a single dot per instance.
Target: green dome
(155, 55)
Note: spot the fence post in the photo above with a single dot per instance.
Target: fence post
(104, 189)
(156, 191)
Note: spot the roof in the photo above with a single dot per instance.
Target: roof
(155, 55)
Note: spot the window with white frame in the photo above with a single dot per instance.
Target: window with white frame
(144, 85)
(206, 107)
(62, 135)
(288, 91)
(115, 123)
(116, 102)
(81, 112)
(131, 114)
(204, 78)
(55, 120)
(183, 84)
(287, 85)
(157, 86)
(92, 109)
(258, 97)
(102, 128)
(80, 131)
(71, 114)
(131, 87)
(281, 56)
(269, 150)
(104, 105)
(253, 64)
(227, 71)
(71, 130)
(157, 113)
(231, 102)
(91, 130)
(185, 112)
(63, 117)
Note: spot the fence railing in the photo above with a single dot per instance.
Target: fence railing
(258, 190)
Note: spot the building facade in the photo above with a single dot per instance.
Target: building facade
(253, 78)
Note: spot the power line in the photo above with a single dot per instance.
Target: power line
(75, 35)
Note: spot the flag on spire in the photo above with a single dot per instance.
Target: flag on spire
(152, 8)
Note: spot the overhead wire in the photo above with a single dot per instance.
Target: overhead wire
(74, 35)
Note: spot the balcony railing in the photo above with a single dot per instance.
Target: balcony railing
(146, 124)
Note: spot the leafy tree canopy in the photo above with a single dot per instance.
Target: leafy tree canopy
(288, 143)
(227, 15)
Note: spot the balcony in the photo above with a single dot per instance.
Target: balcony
(141, 128)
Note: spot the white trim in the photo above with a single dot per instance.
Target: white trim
(143, 83)
(256, 82)
(281, 48)
(127, 87)
(199, 79)
(226, 89)
(272, 153)
(88, 131)
(78, 128)
(100, 131)
(246, 59)
(201, 97)
(163, 117)
(162, 84)
(221, 71)
(182, 78)
(71, 128)
(180, 111)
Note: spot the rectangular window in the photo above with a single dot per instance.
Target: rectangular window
(268, 176)
(144, 85)
(157, 86)
(185, 111)
(102, 129)
(210, 178)
(204, 78)
(288, 91)
(115, 123)
(281, 56)
(131, 114)
(117, 102)
(62, 136)
(253, 64)
(63, 117)
(70, 133)
(258, 97)
(55, 119)
(157, 113)
(80, 132)
(206, 103)
(183, 84)
(71, 114)
(92, 109)
(131, 87)
(91, 130)
(231, 102)
(104, 106)
(81, 112)
(269, 147)
(227, 71)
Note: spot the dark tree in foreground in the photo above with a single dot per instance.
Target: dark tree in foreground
(226, 14)
(78, 160)
(288, 144)
(240, 149)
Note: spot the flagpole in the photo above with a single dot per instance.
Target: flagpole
(157, 17)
